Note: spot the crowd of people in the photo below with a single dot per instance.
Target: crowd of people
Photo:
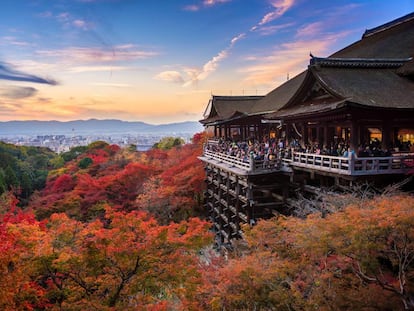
(270, 150)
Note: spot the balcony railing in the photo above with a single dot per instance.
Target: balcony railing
(351, 166)
(354, 166)
(252, 166)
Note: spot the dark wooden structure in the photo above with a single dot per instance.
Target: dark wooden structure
(362, 95)
(233, 117)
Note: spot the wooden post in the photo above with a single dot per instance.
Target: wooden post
(305, 134)
(251, 163)
(386, 135)
(287, 137)
(354, 136)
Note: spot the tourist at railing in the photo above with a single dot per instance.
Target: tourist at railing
(271, 153)
(274, 150)
(268, 151)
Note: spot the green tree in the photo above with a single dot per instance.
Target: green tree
(73, 153)
(11, 178)
(167, 143)
(3, 185)
(57, 162)
(85, 162)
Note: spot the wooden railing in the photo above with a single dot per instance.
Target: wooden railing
(230, 160)
(352, 166)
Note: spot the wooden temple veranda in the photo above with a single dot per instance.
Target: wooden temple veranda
(347, 118)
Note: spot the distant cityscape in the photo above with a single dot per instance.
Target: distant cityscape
(63, 143)
(61, 136)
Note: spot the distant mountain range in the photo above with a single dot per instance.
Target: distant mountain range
(94, 126)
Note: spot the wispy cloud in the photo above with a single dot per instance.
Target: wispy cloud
(194, 75)
(198, 74)
(17, 92)
(192, 8)
(170, 76)
(212, 64)
(10, 40)
(68, 20)
(310, 30)
(213, 2)
(96, 55)
(279, 8)
(288, 58)
(204, 4)
(82, 24)
(269, 30)
(291, 57)
(8, 73)
(80, 69)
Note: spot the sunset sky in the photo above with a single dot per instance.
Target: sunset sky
(159, 61)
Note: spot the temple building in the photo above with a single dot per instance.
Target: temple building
(347, 118)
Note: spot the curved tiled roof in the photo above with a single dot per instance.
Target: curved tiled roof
(305, 109)
(379, 87)
(277, 98)
(391, 40)
(369, 87)
(407, 69)
(225, 107)
(376, 71)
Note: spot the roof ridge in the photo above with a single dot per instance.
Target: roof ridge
(395, 22)
(239, 97)
(358, 62)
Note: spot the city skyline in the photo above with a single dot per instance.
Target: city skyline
(159, 63)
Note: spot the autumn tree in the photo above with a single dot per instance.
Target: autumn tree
(359, 258)
(19, 235)
(124, 262)
(175, 193)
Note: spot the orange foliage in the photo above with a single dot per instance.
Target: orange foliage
(359, 258)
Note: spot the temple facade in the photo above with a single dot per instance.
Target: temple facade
(348, 117)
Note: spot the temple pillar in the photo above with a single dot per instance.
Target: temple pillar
(318, 136)
(305, 132)
(260, 132)
(354, 135)
(287, 132)
(325, 135)
(386, 135)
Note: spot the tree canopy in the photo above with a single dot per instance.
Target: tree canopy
(121, 233)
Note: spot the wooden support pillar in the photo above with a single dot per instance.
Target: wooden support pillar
(304, 133)
(215, 130)
(325, 135)
(287, 131)
(220, 131)
(318, 136)
(386, 135)
(226, 132)
(237, 205)
(354, 135)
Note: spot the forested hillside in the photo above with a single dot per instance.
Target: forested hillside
(116, 229)
(24, 169)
